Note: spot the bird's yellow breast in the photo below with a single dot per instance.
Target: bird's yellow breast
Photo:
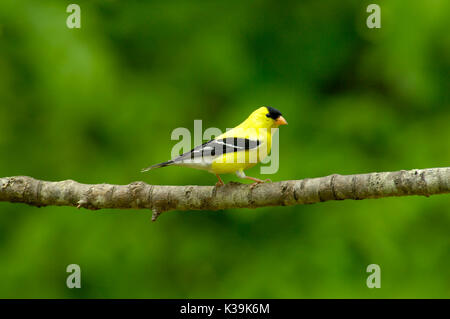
(241, 160)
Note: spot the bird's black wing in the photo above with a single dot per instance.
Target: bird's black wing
(219, 147)
(212, 149)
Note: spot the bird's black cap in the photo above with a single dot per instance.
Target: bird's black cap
(273, 113)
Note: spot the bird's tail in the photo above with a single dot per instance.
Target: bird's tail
(158, 166)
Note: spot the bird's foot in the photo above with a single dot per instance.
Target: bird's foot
(260, 181)
(219, 184)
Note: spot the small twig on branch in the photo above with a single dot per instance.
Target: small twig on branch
(159, 199)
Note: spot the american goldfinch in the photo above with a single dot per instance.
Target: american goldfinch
(235, 150)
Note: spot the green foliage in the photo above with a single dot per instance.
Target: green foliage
(99, 103)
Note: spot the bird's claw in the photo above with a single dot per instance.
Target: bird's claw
(267, 180)
(219, 184)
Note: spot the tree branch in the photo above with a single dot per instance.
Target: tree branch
(23, 189)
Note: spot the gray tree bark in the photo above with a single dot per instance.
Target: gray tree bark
(138, 195)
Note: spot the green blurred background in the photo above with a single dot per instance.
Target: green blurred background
(99, 103)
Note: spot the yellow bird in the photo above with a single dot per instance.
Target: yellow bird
(235, 150)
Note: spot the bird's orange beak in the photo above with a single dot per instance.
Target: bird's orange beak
(281, 121)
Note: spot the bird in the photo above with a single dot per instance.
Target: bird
(235, 150)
